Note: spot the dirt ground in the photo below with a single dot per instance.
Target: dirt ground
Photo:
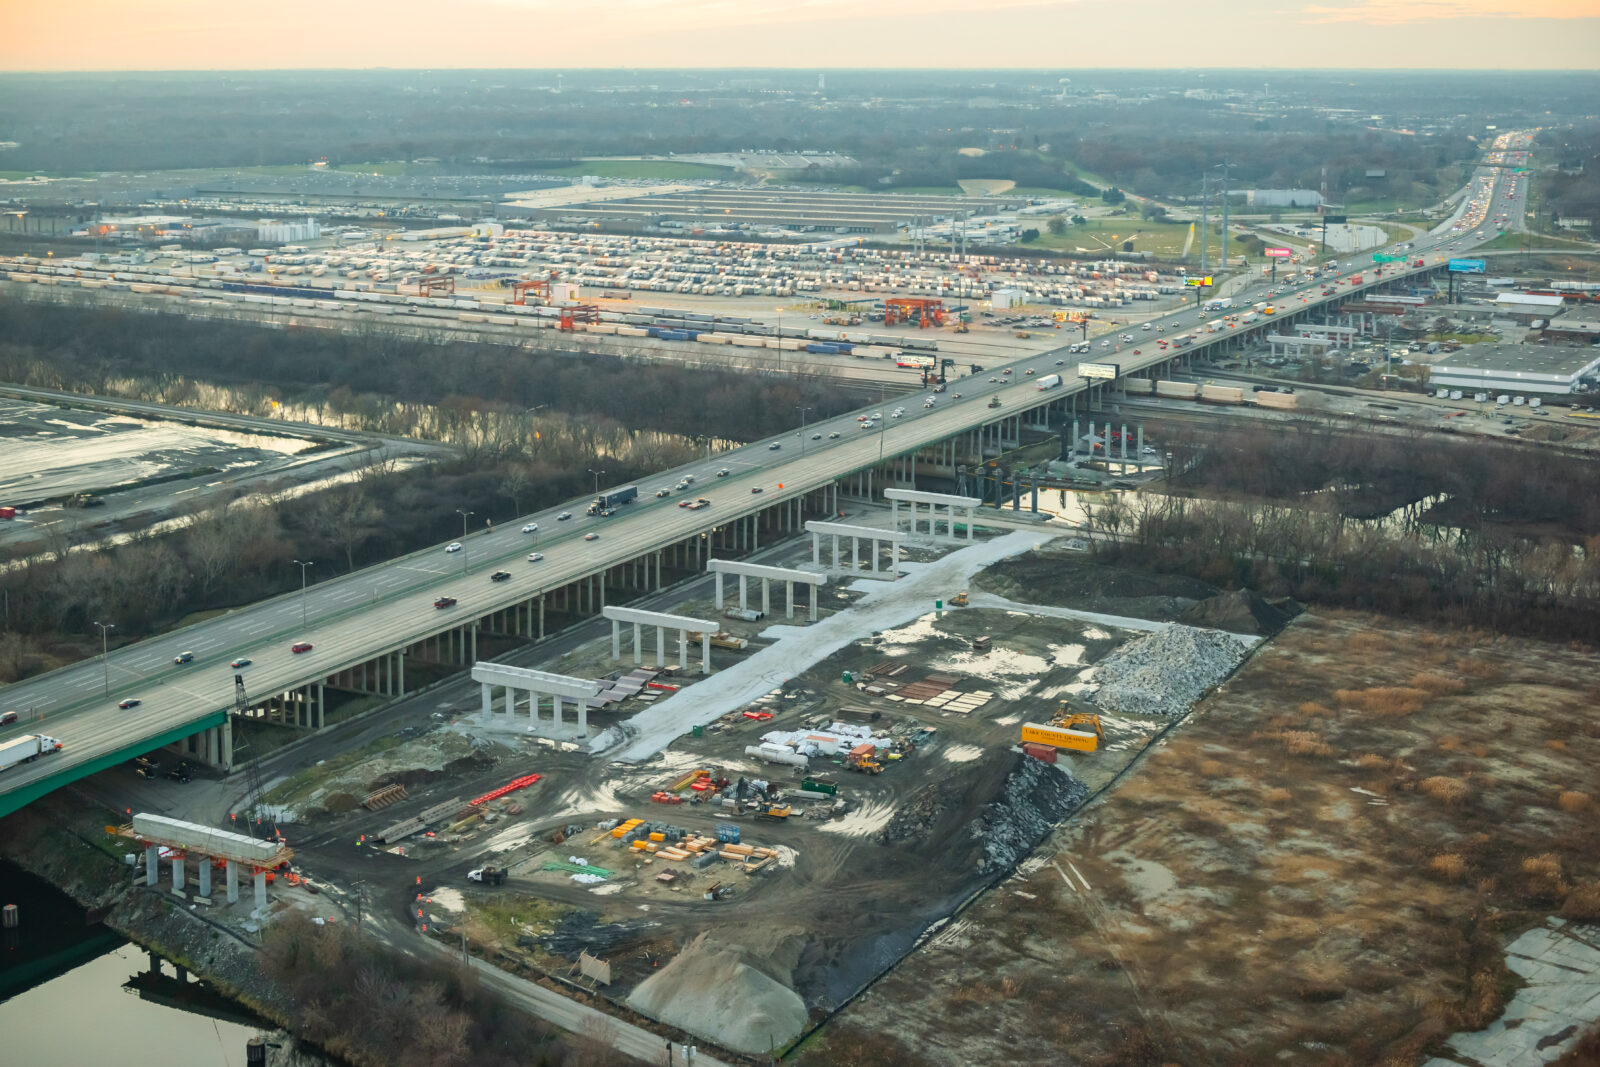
(856, 881)
(1323, 866)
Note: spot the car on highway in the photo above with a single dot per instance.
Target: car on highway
(816, 437)
(755, 489)
(183, 657)
(1146, 326)
(876, 415)
(1027, 372)
(500, 576)
(129, 702)
(833, 435)
(453, 546)
(774, 446)
(591, 537)
(663, 492)
(1061, 363)
(242, 661)
(300, 646)
(897, 414)
(8, 719)
(535, 557)
(445, 602)
(564, 516)
(531, 527)
(724, 472)
(869, 424)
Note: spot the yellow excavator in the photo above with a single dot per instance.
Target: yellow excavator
(1078, 731)
(959, 600)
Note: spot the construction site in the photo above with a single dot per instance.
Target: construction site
(834, 792)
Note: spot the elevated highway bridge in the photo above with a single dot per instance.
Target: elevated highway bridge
(377, 631)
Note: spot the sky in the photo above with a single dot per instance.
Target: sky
(804, 34)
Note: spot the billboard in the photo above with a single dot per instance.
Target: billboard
(1333, 220)
(1468, 266)
(1099, 370)
(1198, 281)
(1277, 253)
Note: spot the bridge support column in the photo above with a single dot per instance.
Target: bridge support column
(231, 871)
(766, 597)
(894, 516)
(261, 891)
(717, 579)
(683, 649)
(541, 616)
(874, 567)
(486, 705)
(855, 555)
(661, 647)
(322, 697)
(400, 665)
(788, 600)
(636, 648)
(616, 639)
(813, 603)
(177, 873)
(227, 744)
(152, 865)
(204, 875)
(705, 653)
(743, 595)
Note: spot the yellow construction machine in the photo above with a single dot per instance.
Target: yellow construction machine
(1077, 731)
(959, 600)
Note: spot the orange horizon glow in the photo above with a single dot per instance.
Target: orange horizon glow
(162, 35)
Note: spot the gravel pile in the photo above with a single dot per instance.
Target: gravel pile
(1034, 800)
(1165, 672)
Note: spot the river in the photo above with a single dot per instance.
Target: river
(75, 993)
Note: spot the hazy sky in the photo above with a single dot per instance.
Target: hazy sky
(808, 34)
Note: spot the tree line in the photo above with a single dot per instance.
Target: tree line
(1465, 533)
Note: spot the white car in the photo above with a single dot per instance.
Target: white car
(535, 557)
(530, 527)
(453, 546)
(897, 415)
(1146, 326)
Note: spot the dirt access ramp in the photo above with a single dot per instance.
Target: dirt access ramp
(1324, 865)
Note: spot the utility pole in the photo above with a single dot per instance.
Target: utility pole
(1225, 168)
(803, 410)
(105, 661)
(303, 564)
(465, 551)
(1205, 210)
(597, 475)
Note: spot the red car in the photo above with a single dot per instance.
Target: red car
(300, 646)
(8, 718)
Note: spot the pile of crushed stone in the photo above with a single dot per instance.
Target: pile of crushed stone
(1164, 673)
(1034, 800)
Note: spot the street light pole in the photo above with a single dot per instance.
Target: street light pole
(303, 564)
(597, 475)
(465, 515)
(803, 410)
(105, 661)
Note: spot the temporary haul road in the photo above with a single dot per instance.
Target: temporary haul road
(356, 618)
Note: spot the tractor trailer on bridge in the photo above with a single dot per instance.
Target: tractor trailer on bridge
(605, 502)
(26, 749)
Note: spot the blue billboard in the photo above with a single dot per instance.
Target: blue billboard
(1468, 266)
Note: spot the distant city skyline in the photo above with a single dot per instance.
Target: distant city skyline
(86, 35)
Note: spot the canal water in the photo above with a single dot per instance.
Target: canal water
(76, 993)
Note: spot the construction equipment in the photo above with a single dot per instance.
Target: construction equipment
(445, 284)
(539, 287)
(923, 311)
(488, 875)
(1063, 730)
(861, 758)
(774, 813)
(577, 313)
(959, 600)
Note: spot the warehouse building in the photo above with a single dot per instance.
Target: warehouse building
(1525, 308)
(1544, 369)
(1575, 326)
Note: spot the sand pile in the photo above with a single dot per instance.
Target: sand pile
(712, 990)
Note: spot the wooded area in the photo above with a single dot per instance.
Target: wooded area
(1463, 532)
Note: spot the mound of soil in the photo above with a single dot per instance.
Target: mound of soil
(1241, 612)
(1077, 581)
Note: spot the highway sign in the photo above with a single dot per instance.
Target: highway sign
(1380, 257)
(1468, 266)
(1099, 370)
(1333, 220)
(1198, 281)
(1277, 253)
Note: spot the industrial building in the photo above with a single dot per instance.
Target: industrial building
(1496, 368)
(1575, 326)
(269, 231)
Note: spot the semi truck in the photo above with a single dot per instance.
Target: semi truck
(615, 498)
(1049, 381)
(26, 749)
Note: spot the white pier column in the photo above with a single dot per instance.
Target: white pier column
(205, 876)
(232, 870)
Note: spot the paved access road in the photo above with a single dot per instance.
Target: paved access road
(353, 617)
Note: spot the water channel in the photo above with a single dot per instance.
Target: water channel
(73, 992)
